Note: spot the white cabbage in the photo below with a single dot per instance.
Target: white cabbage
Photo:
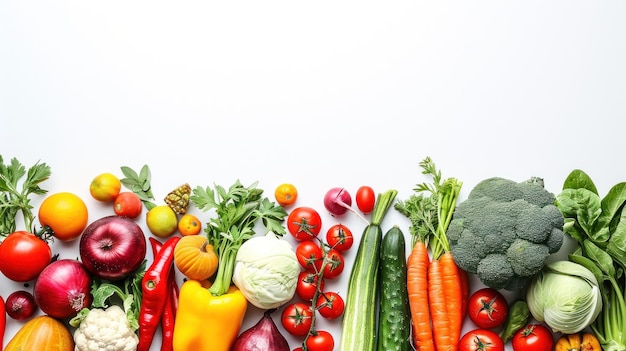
(266, 271)
(565, 295)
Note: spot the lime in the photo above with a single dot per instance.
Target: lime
(162, 221)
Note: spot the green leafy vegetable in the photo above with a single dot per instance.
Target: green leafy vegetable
(237, 210)
(140, 184)
(599, 226)
(15, 197)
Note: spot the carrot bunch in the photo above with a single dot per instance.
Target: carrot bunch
(437, 288)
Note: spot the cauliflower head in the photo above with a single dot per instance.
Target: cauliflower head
(505, 231)
(105, 330)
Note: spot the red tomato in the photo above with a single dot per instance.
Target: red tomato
(297, 318)
(309, 255)
(339, 237)
(308, 284)
(330, 305)
(32, 253)
(365, 199)
(127, 204)
(320, 341)
(481, 340)
(304, 223)
(487, 308)
(334, 264)
(536, 337)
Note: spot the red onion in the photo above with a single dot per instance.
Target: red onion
(338, 201)
(63, 288)
(263, 336)
(21, 305)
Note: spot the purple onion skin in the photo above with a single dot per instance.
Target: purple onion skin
(21, 305)
(337, 201)
(263, 336)
(63, 288)
(112, 247)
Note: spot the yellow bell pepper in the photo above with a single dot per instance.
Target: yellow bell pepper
(206, 322)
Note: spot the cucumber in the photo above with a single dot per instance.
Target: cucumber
(359, 325)
(394, 316)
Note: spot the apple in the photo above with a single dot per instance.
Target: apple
(112, 247)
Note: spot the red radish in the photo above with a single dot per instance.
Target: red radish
(338, 201)
(21, 305)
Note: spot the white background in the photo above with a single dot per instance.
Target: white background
(318, 94)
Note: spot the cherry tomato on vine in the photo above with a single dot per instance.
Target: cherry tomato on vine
(31, 252)
(304, 223)
(481, 340)
(320, 341)
(339, 237)
(307, 285)
(365, 199)
(309, 255)
(487, 308)
(334, 264)
(536, 337)
(297, 318)
(330, 305)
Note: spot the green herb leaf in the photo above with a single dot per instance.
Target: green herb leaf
(140, 184)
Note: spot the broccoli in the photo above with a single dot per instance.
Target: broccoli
(505, 231)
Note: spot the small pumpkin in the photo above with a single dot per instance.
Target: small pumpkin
(195, 258)
(582, 341)
(42, 333)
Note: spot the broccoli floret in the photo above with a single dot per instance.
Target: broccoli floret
(505, 231)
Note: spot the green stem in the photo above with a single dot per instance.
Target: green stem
(383, 203)
(224, 273)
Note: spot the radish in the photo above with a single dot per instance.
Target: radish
(338, 201)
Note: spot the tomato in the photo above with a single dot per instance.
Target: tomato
(487, 308)
(297, 318)
(339, 237)
(127, 204)
(65, 214)
(481, 340)
(365, 199)
(189, 224)
(32, 253)
(308, 283)
(286, 194)
(334, 264)
(536, 337)
(309, 255)
(320, 341)
(304, 223)
(330, 305)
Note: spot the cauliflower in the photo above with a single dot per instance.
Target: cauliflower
(105, 330)
(505, 231)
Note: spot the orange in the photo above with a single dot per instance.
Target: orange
(286, 194)
(189, 225)
(162, 221)
(105, 187)
(65, 214)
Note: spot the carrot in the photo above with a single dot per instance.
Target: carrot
(453, 292)
(465, 292)
(417, 287)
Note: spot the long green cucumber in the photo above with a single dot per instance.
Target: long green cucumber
(359, 326)
(394, 317)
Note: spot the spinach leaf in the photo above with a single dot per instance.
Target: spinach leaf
(577, 179)
(582, 205)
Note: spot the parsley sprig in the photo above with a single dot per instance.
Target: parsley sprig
(237, 210)
(15, 193)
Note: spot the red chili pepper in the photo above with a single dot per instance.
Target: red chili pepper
(3, 322)
(169, 312)
(155, 287)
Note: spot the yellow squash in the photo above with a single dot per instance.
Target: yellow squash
(205, 322)
(42, 333)
(582, 341)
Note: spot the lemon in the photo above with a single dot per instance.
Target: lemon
(105, 187)
(162, 221)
